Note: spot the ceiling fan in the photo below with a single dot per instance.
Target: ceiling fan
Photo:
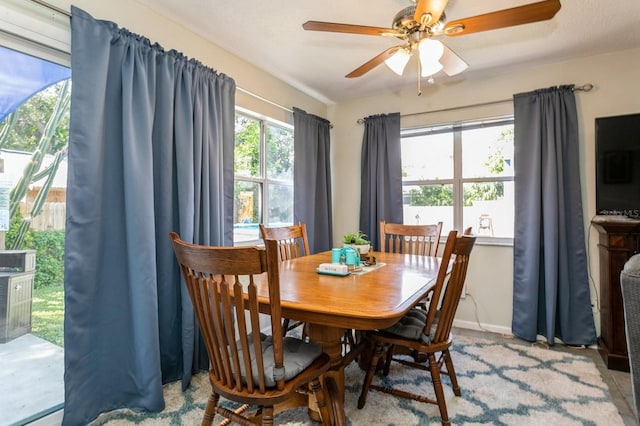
(417, 26)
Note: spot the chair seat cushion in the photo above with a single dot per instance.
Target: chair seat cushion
(411, 325)
(298, 355)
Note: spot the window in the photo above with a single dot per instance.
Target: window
(460, 174)
(263, 190)
(34, 133)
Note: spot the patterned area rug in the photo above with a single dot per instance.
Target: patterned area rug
(502, 384)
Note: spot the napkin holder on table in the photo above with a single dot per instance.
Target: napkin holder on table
(334, 268)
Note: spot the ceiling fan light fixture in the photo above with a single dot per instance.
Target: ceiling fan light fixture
(430, 53)
(398, 61)
(430, 68)
(430, 50)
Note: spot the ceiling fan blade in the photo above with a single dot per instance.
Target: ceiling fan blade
(372, 63)
(431, 10)
(534, 12)
(351, 29)
(452, 64)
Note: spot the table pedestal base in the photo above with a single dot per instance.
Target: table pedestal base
(333, 381)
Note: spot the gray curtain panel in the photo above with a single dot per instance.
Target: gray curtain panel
(551, 287)
(150, 151)
(381, 174)
(312, 178)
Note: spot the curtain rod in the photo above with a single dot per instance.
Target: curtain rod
(584, 88)
(52, 7)
(263, 99)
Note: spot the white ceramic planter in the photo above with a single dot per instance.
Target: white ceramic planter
(362, 248)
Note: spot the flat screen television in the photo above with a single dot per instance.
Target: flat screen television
(618, 165)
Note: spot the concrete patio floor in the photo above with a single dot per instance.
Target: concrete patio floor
(31, 379)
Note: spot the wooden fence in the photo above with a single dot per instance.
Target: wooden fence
(52, 216)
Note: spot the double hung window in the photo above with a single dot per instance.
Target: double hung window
(263, 168)
(461, 174)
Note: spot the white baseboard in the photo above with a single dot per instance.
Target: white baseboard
(471, 325)
(505, 331)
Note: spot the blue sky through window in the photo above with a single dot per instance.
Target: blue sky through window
(21, 76)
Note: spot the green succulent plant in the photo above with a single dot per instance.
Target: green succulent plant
(358, 238)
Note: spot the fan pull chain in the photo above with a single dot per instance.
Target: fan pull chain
(419, 74)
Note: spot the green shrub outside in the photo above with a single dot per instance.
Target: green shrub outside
(49, 246)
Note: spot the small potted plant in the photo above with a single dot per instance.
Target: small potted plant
(358, 240)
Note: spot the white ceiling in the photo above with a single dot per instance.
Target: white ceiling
(269, 35)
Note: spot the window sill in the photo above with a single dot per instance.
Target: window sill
(253, 243)
(498, 242)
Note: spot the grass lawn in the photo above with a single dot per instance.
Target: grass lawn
(48, 314)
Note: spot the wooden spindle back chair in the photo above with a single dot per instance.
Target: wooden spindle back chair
(433, 338)
(410, 239)
(292, 242)
(246, 365)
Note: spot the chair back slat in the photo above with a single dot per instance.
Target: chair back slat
(243, 334)
(292, 240)
(255, 325)
(221, 284)
(410, 239)
(273, 272)
(288, 249)
(215, 323)
(207, 307)
(229, 333)
(443, 274)
(453, 290)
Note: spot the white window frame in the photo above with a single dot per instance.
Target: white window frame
(35, 29)
(458, 181)
(263, 181)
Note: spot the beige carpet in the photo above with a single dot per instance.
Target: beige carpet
(502, 384)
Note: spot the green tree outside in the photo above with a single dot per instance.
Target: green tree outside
(279, 167)
(442, 195)
(279, 153)
(247, 163)
(30, 120)
(247, 146)
(431, 195)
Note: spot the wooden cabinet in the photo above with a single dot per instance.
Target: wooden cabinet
(619, 239)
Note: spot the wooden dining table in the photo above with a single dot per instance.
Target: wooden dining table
(374, 298)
